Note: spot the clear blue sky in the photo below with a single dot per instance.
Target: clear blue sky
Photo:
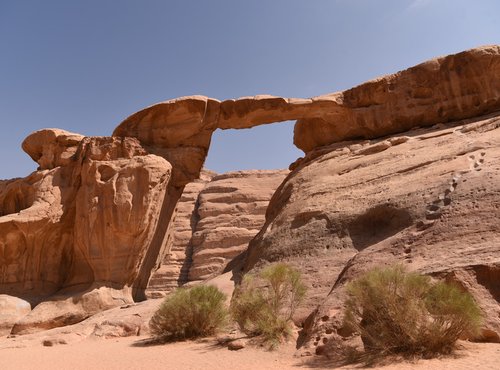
(86, 65)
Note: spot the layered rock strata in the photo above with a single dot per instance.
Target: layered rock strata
(216, 217)
(86, 231)
(174, 269)
(429, 199)
(231, 211)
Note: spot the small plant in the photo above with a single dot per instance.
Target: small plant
(190, 313)
(397, 312)
(264, 304)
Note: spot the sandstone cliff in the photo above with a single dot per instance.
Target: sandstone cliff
(74, 234)
(231, 212)
(216, 217)
(429, 199)
(88, 229)
(174, 269)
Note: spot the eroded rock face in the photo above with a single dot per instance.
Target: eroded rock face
(231, 211)
(51, 148)
(76, 236)
(429, 199)
(12, 309)
(444, 89)
(216, 217)
(178, 130)
(174, 269)
(35, 226)
(99, 211)
(450, 88)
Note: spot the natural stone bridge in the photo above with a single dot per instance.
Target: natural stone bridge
(86, 231)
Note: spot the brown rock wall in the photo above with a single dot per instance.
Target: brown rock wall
(428, 199)
(231, 211)
(174, 269)
(216, 217)
(76, 236)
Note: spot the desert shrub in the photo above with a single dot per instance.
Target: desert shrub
(189, 313)
(264, 303)
(397, 312)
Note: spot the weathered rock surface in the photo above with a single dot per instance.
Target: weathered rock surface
(12, 309)
(86, 231)
(450, 88)
(123, 321)
(51, 148)
(178, 130)
(458, 86)
(231, 212)
(429, 199)
(174, 269)
(75, 236)
(35, 227)
(216, 218)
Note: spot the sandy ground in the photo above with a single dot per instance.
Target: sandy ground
(130, 353)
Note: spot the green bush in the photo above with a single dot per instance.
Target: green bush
(264, 303)
(190, 313)
(396, 312)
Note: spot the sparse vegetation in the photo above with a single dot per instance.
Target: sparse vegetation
(397, 312)
(190, 313)
(264, 303)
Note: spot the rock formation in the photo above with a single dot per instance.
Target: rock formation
(12, 309)
(74, 234)
(216, 217)
(231, 211)
(429, 199)
(174, 269)
(450, 88)
(88, 229)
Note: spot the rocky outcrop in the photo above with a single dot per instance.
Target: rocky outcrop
(88, 229)
(12, 309)
(429, 199)
(51, 148)
(75, 236)
(450, 88)
(446, 89)
(216, 217)
(231, 211)
(174, 269)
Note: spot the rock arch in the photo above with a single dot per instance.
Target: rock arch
(153, 154)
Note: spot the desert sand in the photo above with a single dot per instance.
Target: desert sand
(132, 353)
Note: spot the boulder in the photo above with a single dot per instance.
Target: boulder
(12, 309)
(51, 148)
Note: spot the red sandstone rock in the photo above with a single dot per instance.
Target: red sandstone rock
(174, 269)
(458, 86)
(78, 237)
(429, 199)
(51, 148)
(231, 211)
(99, 211)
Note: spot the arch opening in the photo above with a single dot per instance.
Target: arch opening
(264, 147)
